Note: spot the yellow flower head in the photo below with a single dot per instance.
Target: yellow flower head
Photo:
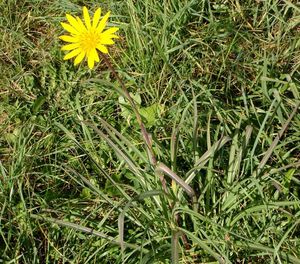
(86, 37)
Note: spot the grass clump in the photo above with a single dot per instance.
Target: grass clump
(217, 86)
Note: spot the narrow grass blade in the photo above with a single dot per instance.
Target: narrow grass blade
(275, 141)
(87, 230)
(205, 157)
(115, 133)
(261, 208)
(118, 151)
(167, 171)
(203, 245)
(122, 214)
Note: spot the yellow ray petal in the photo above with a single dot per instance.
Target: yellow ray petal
(74, 23)
(102, 48)
(86, 17)
(96, 17)
(80, 23)
(109, 35)
(110, 30)
(102, 23)
(70, 46)
(69, 28)
(114, 36)
(69, 38)
(94, 53)
(91, 61)
(79, 58)
(72, 54)
(106, 41)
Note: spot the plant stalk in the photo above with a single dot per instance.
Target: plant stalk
(145, 134)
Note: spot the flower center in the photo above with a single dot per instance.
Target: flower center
(89, 41)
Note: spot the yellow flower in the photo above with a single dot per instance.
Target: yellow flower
(86, 37)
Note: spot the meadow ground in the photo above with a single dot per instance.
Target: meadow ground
(217, 86)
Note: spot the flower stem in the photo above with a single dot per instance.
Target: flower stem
(145, 134)
(147, 140)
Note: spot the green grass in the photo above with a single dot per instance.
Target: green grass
(217, 85)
